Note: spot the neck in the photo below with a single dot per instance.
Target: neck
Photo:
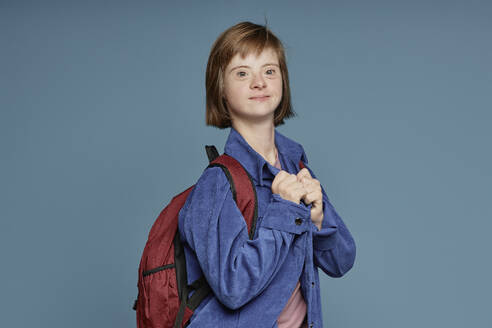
(261, 137)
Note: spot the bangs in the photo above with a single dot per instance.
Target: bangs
(252, 41)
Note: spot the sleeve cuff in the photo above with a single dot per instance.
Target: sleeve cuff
(285, 215)
(327, 237)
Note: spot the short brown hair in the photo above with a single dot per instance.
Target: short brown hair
(242, 38)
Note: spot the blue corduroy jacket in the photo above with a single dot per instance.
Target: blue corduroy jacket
(252, 280)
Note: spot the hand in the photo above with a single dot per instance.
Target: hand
(313, 195)
(288, 187)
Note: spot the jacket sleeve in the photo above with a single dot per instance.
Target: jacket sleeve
(237, 268)
(333, 246)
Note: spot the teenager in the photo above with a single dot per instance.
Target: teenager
(271, 280)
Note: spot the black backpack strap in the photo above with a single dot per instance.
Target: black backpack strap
(202, 289)
(212, 152)
(179, 317)
(181, 277)
(180, 263)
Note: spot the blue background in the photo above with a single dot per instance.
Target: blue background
(102, 122)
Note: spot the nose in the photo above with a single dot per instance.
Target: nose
(258, 82)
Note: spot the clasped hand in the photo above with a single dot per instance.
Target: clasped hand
(301, 187)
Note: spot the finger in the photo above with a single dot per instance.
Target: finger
(303, 173)
(279, 177)
(288, 180)
(282, 174)
(315, 197)
(296, 187)
(285, 182)
(300, 192)
(311, 184)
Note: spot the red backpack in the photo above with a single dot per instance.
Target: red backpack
(163, 292)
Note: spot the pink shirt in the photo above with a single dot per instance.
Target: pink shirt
(294, 312)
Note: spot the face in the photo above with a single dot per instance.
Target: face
(253, 86)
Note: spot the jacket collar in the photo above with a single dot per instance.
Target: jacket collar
(262, 171)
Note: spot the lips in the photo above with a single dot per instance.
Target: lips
(262, 97)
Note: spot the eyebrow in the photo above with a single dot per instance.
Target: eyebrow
(246, 66)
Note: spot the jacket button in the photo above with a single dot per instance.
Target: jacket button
(311, 325)
(312, 283)
(298, 221)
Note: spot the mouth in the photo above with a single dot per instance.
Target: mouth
(259, 98)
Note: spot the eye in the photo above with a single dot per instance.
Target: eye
(270, 71)
(241, 73)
